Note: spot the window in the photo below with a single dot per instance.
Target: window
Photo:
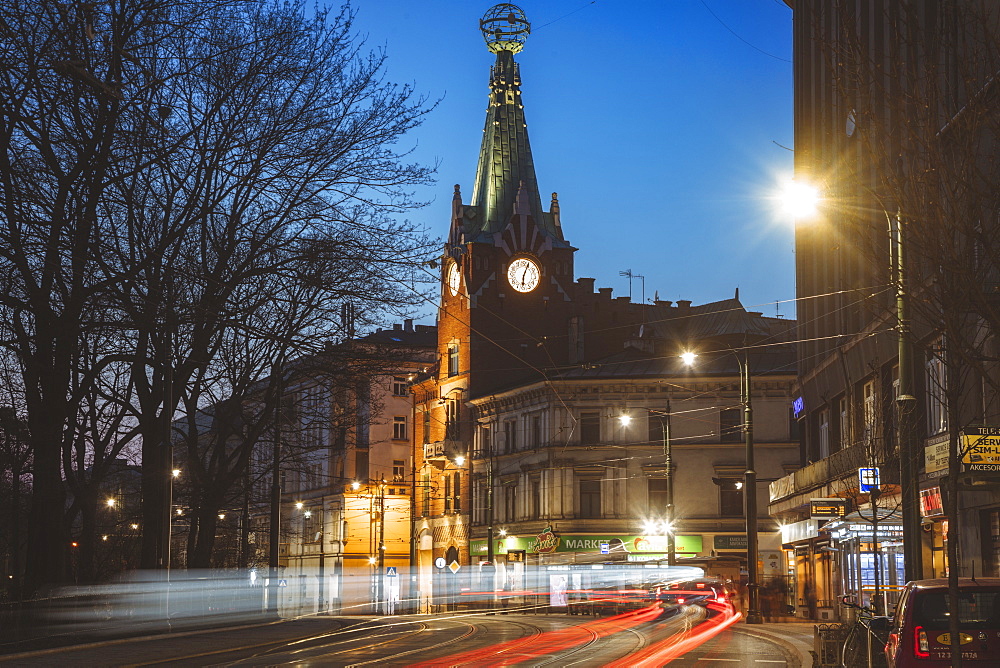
(483, 446)
(869, 412)
(398, 470)
(730, 425)
(844, 422)
(452, 416)
(937, 404)
(509, 436)
(456, 490)
(824, 433)
(479, 502)
(536, 430)
(654, 427)
(447, 493)
(535, 508)
(731, 497)
(590, 428)
(399, 428)
(425, 497)
(656, 497)
(427, 426)
(399, 387)
(453, 359)
(510, 502)
(590, 499)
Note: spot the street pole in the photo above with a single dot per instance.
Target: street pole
(750, 496)
(906, 403)
(380, 582)
(272, 557)
(668, 460)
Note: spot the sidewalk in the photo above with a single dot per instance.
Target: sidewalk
(796, 638)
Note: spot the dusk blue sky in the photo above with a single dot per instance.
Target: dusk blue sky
(663, 132)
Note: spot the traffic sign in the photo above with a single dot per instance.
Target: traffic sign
(390, 572)
(868, 479)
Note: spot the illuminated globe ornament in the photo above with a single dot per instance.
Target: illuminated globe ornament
(505, 28)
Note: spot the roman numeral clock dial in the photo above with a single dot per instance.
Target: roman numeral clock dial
(523, 274)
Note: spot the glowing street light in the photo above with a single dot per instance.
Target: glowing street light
(111, 503)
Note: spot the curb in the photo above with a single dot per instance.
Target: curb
(794, 656)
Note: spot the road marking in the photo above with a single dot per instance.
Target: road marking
(770, 661)
(707, 658)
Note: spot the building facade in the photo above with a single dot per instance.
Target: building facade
(524, 466)
(890, 97)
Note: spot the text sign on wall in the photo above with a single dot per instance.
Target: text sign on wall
(981, 449)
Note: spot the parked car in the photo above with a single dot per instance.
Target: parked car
(919, 633)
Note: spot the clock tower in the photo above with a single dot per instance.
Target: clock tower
(507, 270)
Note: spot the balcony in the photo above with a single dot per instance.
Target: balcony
(840, 465)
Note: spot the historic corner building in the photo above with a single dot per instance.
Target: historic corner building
(853, 62)
(522, 461)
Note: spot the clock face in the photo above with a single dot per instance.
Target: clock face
(454, 278)
(523, 274)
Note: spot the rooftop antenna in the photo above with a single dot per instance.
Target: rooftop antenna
(629, 273)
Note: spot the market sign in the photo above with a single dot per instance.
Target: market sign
(827, 508)
(980, 447)
(613, 543)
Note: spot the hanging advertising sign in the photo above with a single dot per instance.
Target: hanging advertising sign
(930, 502)
(827, 508)
(980, 448)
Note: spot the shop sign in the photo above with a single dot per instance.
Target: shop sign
(930, 502)
(615, 544)
(738, 542)
(981, 449)
(798, 407)
(936, 457)
(545, 542)
(827, 508)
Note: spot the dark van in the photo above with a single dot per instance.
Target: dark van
(919, 632)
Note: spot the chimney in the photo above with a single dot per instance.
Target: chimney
(587, 284)
(408, 325)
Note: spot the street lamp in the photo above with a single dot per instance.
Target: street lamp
(664, 418)
(808, 198)
(749, 489)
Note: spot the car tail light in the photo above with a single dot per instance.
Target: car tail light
(921, 648)
(680, 601)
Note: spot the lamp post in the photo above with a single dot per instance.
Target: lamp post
(664, 418)
(750, 494)
(802, 201)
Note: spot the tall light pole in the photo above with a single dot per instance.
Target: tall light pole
(749, 485)
(750, 494)
(664, 418)
(802, 200)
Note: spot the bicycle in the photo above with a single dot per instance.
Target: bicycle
(866, 639)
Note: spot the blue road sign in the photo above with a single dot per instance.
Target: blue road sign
(868, 479)
(390, 571)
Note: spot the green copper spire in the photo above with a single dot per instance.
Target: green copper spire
(505, 163)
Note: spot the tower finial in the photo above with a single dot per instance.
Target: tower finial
(505, 28)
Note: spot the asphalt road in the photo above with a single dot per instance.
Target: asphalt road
(438, 640)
